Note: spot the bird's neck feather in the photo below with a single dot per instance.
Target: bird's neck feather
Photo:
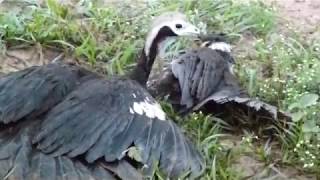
(145, 61)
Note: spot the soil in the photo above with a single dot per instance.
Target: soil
(15, 59)
(250, 166)
(303, 15)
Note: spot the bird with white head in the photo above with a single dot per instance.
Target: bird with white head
(87, 125)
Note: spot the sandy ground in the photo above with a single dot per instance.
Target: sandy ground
(304, 15)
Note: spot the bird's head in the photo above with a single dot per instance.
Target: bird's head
(169, 24)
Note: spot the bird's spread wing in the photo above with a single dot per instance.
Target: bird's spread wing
(34, 90)
(20, 160)
(199, 73)
(81, 120)
(111, 119)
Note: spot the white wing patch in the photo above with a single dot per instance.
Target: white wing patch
(131, 110)
(222, 46)
(137, 108)
(150, 109)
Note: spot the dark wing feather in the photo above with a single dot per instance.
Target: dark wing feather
(199, 73)
(216, 83)
(34, 90)
(259, 107)
(20, 160)
(97, 120)
(123, 170)
(207, 83)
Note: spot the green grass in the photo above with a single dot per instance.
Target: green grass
(282, 71)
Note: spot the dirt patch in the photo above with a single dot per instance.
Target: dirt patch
(15, 59)
(302, 15)
(251, 167)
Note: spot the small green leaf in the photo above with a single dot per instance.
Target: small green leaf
(307, 126)
(308, 100)
(294, 105)
(297, 116)
(310, 126)
(252, 73)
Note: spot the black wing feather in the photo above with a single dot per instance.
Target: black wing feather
(199, 73)
(85, 116)
(34, 90)
(20, 160)
(103, 126)
(124, 170)
(204, 76)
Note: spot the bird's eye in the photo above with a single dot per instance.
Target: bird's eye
(178, 26)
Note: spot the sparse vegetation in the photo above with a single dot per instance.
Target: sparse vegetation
(282, 70)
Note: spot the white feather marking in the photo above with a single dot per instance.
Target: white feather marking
(131, 110)
(222, 46)
(137, 108)
(231, 67)
(134, 95)
(150, 109)
(159, 112)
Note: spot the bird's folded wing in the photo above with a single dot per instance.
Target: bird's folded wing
(107, 119)
(199, 74)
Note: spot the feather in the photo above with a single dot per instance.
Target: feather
(101, 125)
(113, 129)
(205, 78)
(26, 93)
(19, 160)
(198, 78)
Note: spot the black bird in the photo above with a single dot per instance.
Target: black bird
(61, 121)
(197, 73)
(203, 79)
